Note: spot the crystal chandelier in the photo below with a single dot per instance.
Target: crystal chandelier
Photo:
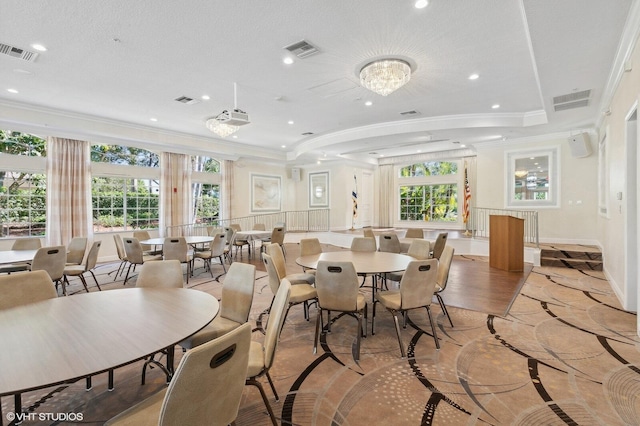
(227, 122)
(385, 76)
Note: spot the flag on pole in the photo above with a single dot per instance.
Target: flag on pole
(467, 195)
(354, 197)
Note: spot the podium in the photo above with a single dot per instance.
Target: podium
(506, 243)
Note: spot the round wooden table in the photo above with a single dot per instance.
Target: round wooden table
(16, 256)
(192, 239)
(68, 338)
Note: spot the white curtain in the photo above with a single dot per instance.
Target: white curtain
(68, 191)
(175, 192)
(227, 189)
(386, 194)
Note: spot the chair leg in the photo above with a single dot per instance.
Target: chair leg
(373, 317)
(126, 277)
(433, 328)
(359, 333)
(317, 335)
(273, 388)
(444, 308)
(84, 283)
(403, 354)
(253, 382)
(95, 279)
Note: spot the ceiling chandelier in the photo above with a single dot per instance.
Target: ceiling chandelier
(385, 76)
(228, 122)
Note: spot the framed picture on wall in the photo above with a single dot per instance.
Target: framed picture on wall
(265, 193)
(319, 189)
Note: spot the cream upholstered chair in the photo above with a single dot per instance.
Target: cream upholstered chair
(444, 266)
(236, 227)
(52, 260)
(308, 247)
(338, 290)
(416, 291)
(277, 255)
(214, 250)
(262, 355)
(259, 227)
(205, 390)
(117, 239)
(135, 255)
(76, 250)
(21, 244)
(301, 292)
(147, 249)
(22, 289)
(389, 243)
(235, 305)
(419, 249)
(277, 237)
(229, 237)
(368, 233)
(79, 270)
(438, 245)
(366, 244)
(414, 233)
(176, 248)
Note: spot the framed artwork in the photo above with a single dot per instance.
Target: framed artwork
(319, 189)
(265, 193)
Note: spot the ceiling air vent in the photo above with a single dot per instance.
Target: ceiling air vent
(187, 100)
(571, 100)
(412, 112)
(16, 52)
(302, 49)
(307, 133)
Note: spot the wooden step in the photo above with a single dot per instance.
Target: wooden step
(588, 259)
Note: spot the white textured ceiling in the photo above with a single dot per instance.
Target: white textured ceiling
(127, 61)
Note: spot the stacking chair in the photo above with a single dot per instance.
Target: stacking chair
(236, 227)
(338, 290)
(308, 247)
(368, 233)
(206, 388)
(364, 244)
(176, 248)
(21, 244)
(53, 260)
(117, 239)
(416, 291)
(142, 235)
(135, 255)
(419, 249)
(438, 245)
(277, 237)
(262, 355)
(229, 238)
(389, 243)
(259, 227)
(414, 233)
(79, 270)
(301, 292)
(215, 250)
(277, 255)
(444, 266)
(76, 250)
(235, 305)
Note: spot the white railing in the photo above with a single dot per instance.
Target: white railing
(296, 221)
(479, 222)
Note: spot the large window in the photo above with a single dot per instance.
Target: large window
(205, 189)
(429, 192)
(532, 178)
(23, 190)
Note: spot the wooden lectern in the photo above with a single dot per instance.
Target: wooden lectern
(506, 243)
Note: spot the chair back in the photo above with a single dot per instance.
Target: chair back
(76, 249)
(274, 280)
(337, 286)
(133, 250)
(207, 386)
(161, 274)
(368, 233)
(26, 244)
(420, 249)
(277, 316)
(92, 257)
(50, 259)
(275, 251)
(259, 227)
(237, 292)
(142, 235)
(230, 235)
(217, 245)
(365, 244)
(444, 266)
(25, 288)
(236, 227)
(175, 248)
(310, 246)
(418, 283)
(438, 246)
(117, 239)
(414, 233)
(390, 243)
(277, 235)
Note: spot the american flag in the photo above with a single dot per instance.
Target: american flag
(467, 195)
(354, 196)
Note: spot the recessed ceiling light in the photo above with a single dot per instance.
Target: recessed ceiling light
(290, 121)
(463, 146)
(12, 91)
(39, 47)
(474, 77)
(381, 155)
(368, 103)
(421, 4)
(495, 106)
(283, 146)
(288, 60)
(153, 119)
(206, 97)
(419, 150)
(235, 136)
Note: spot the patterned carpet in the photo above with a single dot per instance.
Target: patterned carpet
(566, 353)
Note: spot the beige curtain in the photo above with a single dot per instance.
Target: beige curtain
(68, 191)
(385, 213)
(227, 189)
(175, 192)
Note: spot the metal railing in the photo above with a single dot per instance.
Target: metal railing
(479, 222)
(294, 221)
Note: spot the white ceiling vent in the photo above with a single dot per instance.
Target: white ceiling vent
(302, 49)
(17, 52)
(187, 100)
(412, 112)
(571, 100)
